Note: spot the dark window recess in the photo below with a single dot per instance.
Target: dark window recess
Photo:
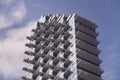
(47, 35)
(47, 18)
(46, 43)
(66, 36)
(66, 44)
(56, 43)
(35, 67)
(66, 28)
(67, 53)
(55, 72)
(55, 62)
(45, 60)
(37, 35)
(47, 28)
(38, 25)
(44, 78)
(66, 64)
(38, 28)
(44, 70)
(67, 74)
(55, 53)
(37, 50)
(36, 58)
(37, 42)
(56, 28)
(65, 18)
(34, 77)
(56, 35)
(45, 52)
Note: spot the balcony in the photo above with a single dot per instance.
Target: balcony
(31, 38)
(47, 28)
(29, 53)
(67, 53)
(46, 51)
(66, 28)
(67, 74)
(39, 40)
(46, 42)
(66, 36)
(56, 28)
(34, 77)
(28, 70)
(29, 61)
(85, 30)
(89, 67)
(56, 43)
(67, 63)
(61, 40)
(25, 78)
(35, 67)
(55, 53)
(45, 60)
(44, 69)
(66, 44)
(40, 33)
(55, 61)
(36, 58)
(35, 30)
(48, 33)
(56, 35)
(87, 56)
(30, 45)
(86, 22)
(87, 47)
(57, 78)
(87, 76)
(55, 72)
(86, 38)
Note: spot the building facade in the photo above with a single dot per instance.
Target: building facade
(63, 48)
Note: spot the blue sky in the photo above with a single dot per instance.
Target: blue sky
(17, 17)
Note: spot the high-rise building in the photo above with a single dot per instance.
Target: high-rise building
(63, 48)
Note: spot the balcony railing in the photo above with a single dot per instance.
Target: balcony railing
(90, 67)
(87, 76)
(87, 56)
(87, 47)
(86, 38)
(25, 78)
(87, 31)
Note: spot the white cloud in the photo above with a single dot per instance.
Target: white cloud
(19, 12)
(16, 15)
(5, 21)
(11, 51)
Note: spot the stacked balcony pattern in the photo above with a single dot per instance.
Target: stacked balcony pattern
(63, 48)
